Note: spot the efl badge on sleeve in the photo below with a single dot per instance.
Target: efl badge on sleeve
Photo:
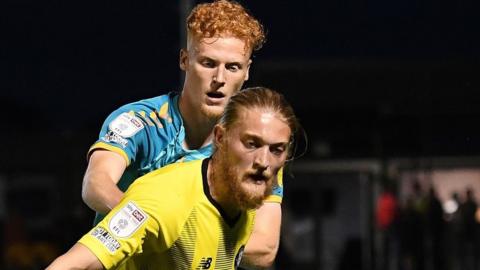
(127, 220)
(126, 125)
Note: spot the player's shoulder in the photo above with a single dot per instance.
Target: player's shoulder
(156, 112)
(169, 183)
(175, 175)
(188, 168)
(148, 104)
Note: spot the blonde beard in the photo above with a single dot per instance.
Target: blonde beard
(245, 198)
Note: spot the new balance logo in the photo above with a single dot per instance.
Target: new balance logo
(205, 263)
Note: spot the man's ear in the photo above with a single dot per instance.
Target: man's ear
(183, 60)
(218, 135)
(248, 70)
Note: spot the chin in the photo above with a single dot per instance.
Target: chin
(250, 195)
(212, 112)
(250, 204)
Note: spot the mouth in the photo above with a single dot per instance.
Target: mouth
(215, 98)
(259, 178)
(216, 95)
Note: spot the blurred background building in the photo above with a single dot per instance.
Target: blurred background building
(386, 90)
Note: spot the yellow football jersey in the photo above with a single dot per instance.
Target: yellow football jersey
(165, 224)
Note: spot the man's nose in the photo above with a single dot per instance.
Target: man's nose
(261, 158)
(219, 75)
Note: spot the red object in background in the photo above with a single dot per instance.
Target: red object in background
(386, 211)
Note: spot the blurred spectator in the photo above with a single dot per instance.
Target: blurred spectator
(454, 219)
(419, 198)
(468, 232)
(412, 232)
(409, 221)
(386, 210)
(435, 230)
(386, 214)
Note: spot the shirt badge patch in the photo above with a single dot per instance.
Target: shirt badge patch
(106, 239)
(126, 125)
(127, 220)
(114, 137)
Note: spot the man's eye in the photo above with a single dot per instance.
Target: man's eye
(233, 68)
(277, 151)
(208, 64)
(251, 145)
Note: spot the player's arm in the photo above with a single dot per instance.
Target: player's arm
(262, 247)
(78, 257)
(99, 189)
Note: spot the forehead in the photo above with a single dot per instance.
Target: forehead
(265, 124)
(219, 48)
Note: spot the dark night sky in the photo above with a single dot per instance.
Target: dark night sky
(371, 78)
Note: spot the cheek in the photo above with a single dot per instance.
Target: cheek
(240, 79)
(201, 73)
(237, 79)
(240, 157)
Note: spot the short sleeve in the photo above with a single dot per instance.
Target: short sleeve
(140, 131)
(277, 191)
(121, 233)
(122, 132)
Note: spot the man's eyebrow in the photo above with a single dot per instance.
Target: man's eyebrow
(235, 63)
(261, 140)
(204, 57)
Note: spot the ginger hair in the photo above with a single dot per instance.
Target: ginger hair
(223, 18)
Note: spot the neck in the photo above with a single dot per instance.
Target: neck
(198, 127)
(219, 191)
